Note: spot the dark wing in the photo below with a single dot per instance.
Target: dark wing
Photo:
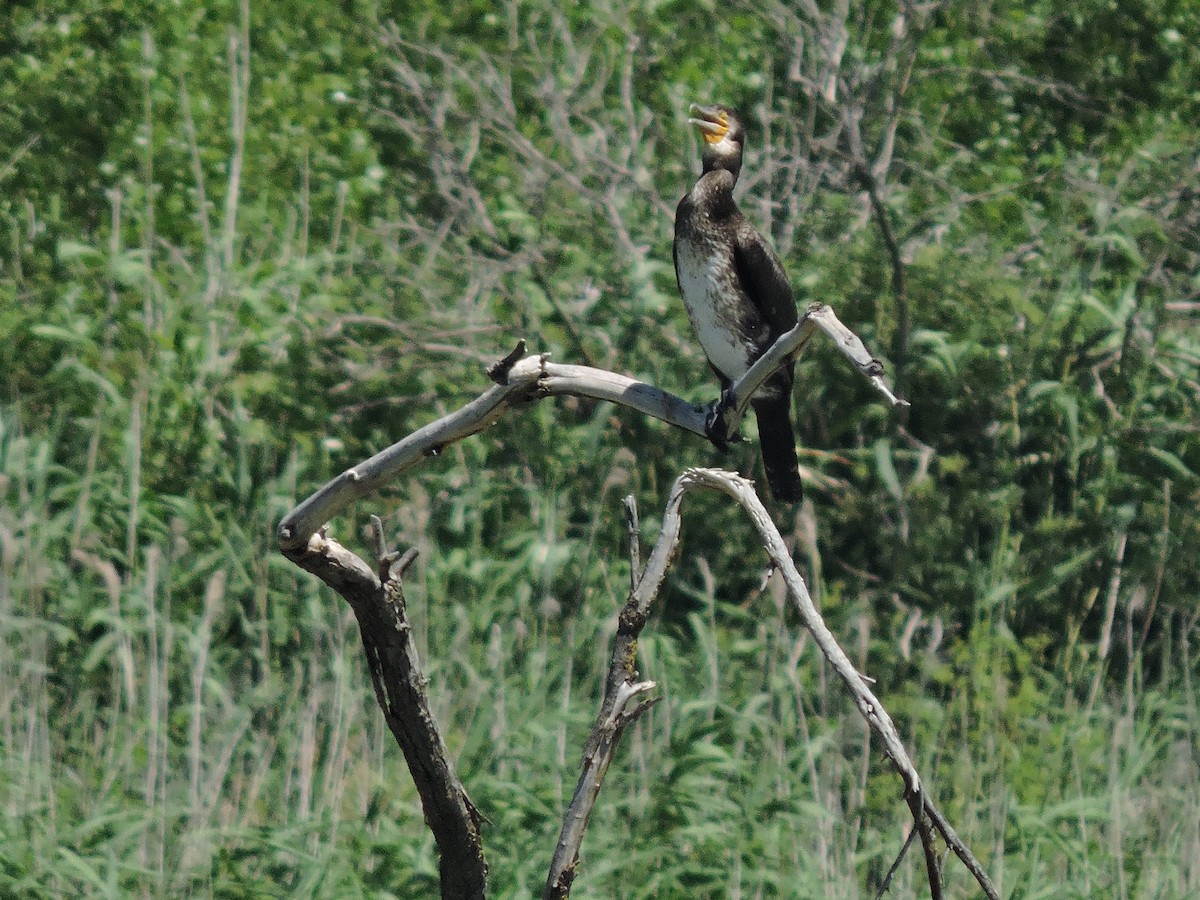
(681, 212)
(675, 260)
(763, 277)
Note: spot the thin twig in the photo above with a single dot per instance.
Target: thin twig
(635, 541)
(886, 884)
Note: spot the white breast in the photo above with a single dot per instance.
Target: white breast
(711, 312)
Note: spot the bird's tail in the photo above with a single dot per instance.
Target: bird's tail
(779, 448)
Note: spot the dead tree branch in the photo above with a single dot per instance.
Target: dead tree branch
(876, 716)
(619, 686)
(533, 377)
(378, 604)
(378, 600)
(622, 684)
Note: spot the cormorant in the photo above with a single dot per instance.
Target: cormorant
(736, 292)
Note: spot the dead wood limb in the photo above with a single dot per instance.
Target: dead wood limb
(619, 685)
(622, 682)
(525, 380)
(400, 690)
(378, 600)
(607, 735)
(534, 377)
(872, 710)
(732, 405)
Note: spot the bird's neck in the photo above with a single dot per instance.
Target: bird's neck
(731, 163)
(714, 190)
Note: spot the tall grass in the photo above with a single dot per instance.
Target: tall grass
(149, 748)
(142, 754)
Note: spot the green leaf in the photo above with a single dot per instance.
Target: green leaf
(1172, 462)
(885, 467)
(71, 251)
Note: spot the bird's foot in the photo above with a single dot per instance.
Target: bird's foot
(716, 422)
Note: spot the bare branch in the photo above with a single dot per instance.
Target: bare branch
(872, 710)
(622, 684)
(535, 377)
(527, 379)
(400, 689)
(732, 406)
(622, 678)
(607, 736)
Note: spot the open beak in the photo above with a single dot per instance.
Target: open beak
(710, 121)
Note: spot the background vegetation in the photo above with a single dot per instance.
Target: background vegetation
(243, 245)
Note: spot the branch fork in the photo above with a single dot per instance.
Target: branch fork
(377, 598)
(723, 415)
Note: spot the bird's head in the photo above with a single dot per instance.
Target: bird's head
(723, 133)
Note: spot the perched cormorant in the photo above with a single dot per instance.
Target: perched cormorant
(736, 292)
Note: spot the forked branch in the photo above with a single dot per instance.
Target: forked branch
(378, 604)
(378, 600)
(623, 679)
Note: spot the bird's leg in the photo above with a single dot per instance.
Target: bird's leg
(716, 421)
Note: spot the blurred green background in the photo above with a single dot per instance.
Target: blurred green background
(244, 245)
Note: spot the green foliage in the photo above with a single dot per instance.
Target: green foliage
(242, 246)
